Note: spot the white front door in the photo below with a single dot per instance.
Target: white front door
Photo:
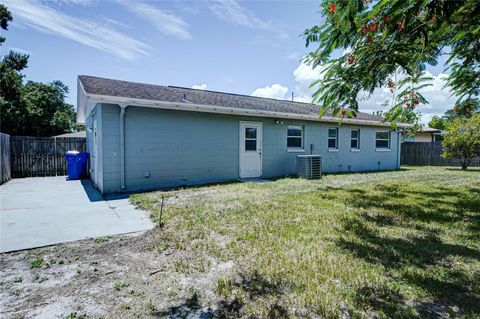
(250, 149)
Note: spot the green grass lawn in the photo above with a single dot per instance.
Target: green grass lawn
(392, 244)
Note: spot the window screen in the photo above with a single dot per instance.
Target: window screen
(333, 138)
(382, 140)
(295, 137)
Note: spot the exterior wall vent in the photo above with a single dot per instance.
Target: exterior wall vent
(309, 166)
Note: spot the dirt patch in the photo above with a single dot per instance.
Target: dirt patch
(118, 277)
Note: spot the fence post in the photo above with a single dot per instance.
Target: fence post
(55, 155)
(5, 158)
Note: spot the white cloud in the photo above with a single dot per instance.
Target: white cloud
(86, 32)
(83, 3)
(232, 12)
(199, 86)
(293, 56)
(164, 22)
(439, 98)
(274, 91)
(304, 75)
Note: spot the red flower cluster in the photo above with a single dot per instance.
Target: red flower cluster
(351, 59)
(343, 112)
(332, 8)
(387, 19)
(411, 101)
(370, 27)
(391, 85)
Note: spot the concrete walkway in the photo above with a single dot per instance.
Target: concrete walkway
(36, 212)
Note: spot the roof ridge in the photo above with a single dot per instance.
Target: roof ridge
(110, 79)
(199, 90)
(245, 95)
(304, 104)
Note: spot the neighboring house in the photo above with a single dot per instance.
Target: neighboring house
(144, 136)
(427, 134)
(73, 134)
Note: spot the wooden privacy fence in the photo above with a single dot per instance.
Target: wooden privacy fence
(42, 156)
(427, 153)
(5, 173)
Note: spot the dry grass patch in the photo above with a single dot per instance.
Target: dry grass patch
(391, 244)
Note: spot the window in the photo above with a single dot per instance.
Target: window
(251, 139)
(382, 140)
(437, 138)
(355, 139)
(295, 137)
(333, 138)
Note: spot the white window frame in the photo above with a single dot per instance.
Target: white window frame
(251, 139)
(382, 149)
(355, 149)
(330, 149)
(296, 149)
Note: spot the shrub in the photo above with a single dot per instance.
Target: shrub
(463, 140)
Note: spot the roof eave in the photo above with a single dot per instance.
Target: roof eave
(182, 106)
(81, 103)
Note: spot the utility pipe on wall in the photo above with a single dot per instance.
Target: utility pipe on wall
(399, 136)
(122, 145)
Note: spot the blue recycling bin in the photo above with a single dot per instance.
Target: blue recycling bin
(76, 164)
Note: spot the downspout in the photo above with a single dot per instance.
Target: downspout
(122, 145)
(398, 149)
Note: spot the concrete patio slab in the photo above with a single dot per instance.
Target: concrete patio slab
(36, 212)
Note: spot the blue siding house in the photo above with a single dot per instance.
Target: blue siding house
(143, 136)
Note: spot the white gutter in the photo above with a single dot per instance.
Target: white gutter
(230, 110)
(122, 145)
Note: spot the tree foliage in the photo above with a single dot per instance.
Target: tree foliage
(33, 108)
(438, 122)
(388, 44)
(464, 110)
(463, 140)
(5, 18)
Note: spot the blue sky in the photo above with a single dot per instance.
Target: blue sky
(246, 47)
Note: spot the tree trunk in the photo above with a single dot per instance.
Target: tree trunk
(464, 164)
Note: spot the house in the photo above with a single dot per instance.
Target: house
(144, 136)
(73, 134)
(426, 134)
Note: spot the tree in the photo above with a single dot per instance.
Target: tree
(47, 113)
(5, 18)
(465, 109)
(33, 108)
(463, 140)
(386, 40)
(437, 122)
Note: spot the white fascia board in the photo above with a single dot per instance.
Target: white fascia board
(229, 110)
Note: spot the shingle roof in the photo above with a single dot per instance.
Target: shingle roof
(118, 88)
(73, 134)
(430, 130)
